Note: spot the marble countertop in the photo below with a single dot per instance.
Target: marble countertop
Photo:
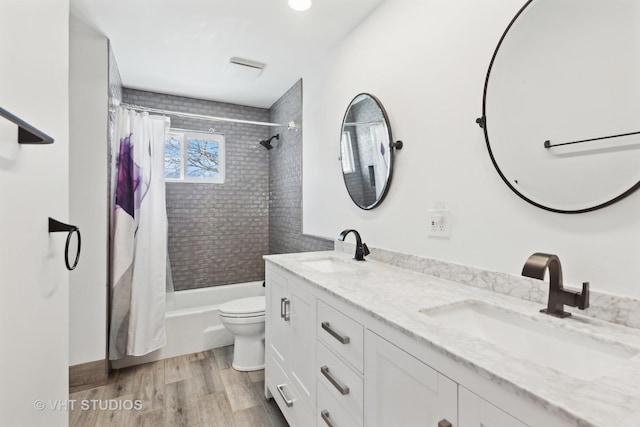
(610, 399)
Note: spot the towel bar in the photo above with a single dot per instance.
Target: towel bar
(27, 134)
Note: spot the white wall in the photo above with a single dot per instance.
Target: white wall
(88, 102)
(426, 61)
(34, 297)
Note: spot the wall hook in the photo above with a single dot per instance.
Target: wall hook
(57, 226)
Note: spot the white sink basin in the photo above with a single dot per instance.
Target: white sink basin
(327, 265)
(527, 338)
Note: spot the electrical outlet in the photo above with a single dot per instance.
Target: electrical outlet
(439, 224)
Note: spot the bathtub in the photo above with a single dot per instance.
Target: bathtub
(193, 323)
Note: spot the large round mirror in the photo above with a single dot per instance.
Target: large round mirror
(561, 108)
(367, 151)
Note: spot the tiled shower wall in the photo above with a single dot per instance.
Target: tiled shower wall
(115, 82)
(285, 180)
(218, 233)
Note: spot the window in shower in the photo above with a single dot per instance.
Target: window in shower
(346, 153)
(194, 157)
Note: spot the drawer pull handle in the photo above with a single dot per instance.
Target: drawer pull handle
(444, 423)
(325, 416)
(343, 389)
(289, 402)
(342, 338)
(285, 309)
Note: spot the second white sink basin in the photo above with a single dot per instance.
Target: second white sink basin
(524, 337)
(327, 265)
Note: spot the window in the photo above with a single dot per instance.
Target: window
(346, 153)
(194, 157)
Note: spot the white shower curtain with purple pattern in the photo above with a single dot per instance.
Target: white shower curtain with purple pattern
(138, 235)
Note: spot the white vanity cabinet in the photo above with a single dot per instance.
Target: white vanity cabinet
(290, 346)
(330, 364)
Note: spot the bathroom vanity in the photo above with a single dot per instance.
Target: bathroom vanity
(370, 344)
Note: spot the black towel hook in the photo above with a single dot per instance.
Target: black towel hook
(57, 226)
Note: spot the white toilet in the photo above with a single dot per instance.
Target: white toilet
(244, 318)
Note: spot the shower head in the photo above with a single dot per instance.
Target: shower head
(267, 142)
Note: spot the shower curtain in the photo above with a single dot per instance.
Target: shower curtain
(138, 235)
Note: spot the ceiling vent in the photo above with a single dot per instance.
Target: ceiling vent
(243, 69)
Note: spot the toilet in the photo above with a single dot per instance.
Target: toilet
(244, 318)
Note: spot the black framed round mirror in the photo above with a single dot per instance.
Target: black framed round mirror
(561, 104)
(367, 151)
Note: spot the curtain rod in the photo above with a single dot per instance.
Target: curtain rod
(210, 130)
(196, 116)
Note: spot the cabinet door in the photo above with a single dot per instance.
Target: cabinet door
(476, 412)
(277, 333)
(402, 391)
(303, 341)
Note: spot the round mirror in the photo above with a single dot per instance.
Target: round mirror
(367, 151)
(561, 107)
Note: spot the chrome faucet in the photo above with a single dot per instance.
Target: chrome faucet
(361, 248)
(536, 266)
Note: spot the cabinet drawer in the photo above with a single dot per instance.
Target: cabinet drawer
(330, 412)
(342, 334)
(342, 382)
(292, 407)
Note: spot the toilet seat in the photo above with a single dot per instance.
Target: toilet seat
(243, 308)
(228, 320)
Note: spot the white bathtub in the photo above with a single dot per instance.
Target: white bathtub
(193, 323)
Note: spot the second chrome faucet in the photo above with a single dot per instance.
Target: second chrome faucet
(536, 266)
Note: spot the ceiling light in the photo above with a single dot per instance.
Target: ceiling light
(300, 5)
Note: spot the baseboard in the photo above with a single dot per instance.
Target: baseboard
(88, 375)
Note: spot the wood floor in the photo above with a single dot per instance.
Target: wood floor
(199, 389)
